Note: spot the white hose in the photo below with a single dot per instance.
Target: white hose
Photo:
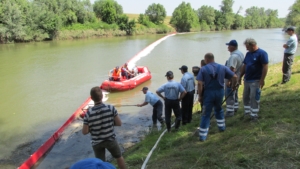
(153, 148)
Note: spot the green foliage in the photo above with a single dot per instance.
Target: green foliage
(125, 24)
(239, 22)
(207, 14)
(184, 18)
(293, 18)
(156, 13)
(107, 10)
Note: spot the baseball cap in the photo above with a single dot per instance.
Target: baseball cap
(232, 43)
(169, 73)
(290, 29)
(184, 68)
(144, 88)
(92, 163)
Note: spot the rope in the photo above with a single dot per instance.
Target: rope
(153, 148)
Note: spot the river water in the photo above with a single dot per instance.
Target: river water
(42, 84)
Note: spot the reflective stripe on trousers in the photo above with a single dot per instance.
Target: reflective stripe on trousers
(251, 97)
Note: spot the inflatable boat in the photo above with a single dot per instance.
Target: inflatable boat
(126, 84)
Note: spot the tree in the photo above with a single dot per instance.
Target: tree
(125, 25)
(184, 17)
(227, 14)
(293, 17)
(156, 13)
(107, 10)
(207, 14)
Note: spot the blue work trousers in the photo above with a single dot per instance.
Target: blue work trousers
(212, 100)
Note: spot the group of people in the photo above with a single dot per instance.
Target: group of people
(214, 82)
(118, 73)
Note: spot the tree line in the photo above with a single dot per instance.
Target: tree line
(36, 20)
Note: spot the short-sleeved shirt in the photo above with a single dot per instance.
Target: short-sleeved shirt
(171, 89)
(254, 64)
(213, 68)
(100, 120)
(236, 61)
(292, 45)
(151, 98)
(187, 81)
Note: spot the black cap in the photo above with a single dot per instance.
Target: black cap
(184, 68)
(169, 73)
(290, 29)
(144, 88)
(232, 43)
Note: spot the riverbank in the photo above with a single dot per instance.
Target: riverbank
(271, 142)
(100, 29)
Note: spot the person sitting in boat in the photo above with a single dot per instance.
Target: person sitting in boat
(134, 72)
(125, 71)
(115, 74)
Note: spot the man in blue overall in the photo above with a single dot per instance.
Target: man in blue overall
(188, 82)
(171, 91)
(157, 106)
(213, 75)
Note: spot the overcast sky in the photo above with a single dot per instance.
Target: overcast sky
(139, 6)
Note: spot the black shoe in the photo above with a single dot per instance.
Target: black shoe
(183, 123)
(177, 124)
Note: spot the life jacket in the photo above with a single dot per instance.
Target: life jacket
(116, 74)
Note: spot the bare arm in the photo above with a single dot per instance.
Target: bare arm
(117, 120)
(141, 105)
(85, 129)
(159, 94)
(263, 76)
(200, 89)
(242, 74)
(182, 94)
(234, 82)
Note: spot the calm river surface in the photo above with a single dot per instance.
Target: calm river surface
(42, 84)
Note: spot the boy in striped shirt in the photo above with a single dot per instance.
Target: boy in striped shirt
(99, 121)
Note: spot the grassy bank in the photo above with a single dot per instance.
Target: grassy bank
(271, 142)
(101, 29)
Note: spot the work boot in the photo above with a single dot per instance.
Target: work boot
(162, 123)
(168, 126)
(177, 124)
(229, 114)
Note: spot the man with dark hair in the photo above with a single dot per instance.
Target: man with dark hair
(255, 69)
(188, 82)
(125, 71)
(288, 58)
(234, 63)
(99, 121)
(157, 106)
(212, 75)
(171, 91)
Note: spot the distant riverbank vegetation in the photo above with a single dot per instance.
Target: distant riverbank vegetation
(38, 20)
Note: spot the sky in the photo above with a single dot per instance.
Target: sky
(139, 6)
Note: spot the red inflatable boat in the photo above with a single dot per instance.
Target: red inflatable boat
(126, 84)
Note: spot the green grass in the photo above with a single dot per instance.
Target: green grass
(271, 142)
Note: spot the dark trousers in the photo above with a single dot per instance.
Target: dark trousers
(157, 112)
(187, 107)
(169, 106)
(287, 67)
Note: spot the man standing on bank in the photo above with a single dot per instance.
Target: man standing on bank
(288, 58)
(255, 69)
(99, 121)
(171, 91)
(157, 106)
(213, 75)
(234, 63)
(188, 82)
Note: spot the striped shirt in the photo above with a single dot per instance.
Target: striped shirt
(100, 120)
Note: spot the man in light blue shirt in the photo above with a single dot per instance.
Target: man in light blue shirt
(188, 82)
(171, 90)
(288, 58)
(157, 106)
(234, 63)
